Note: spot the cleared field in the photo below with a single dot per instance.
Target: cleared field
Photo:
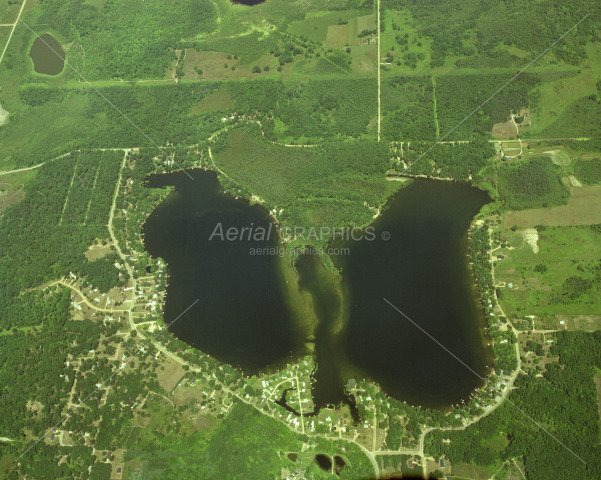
(466, 470)
(557, 283)
(556, 97)
(338, 36)
(171, 375)
(587, 323)
(216, 101)
(216, 66)
(8, 13)
(364, 59)
(583, 208)
(316, 25)
(11, 188)
(97, 251)
(504, 130)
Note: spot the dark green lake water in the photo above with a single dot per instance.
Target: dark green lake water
(423, 271)
(47, 55)
(245, 315)
(242, 317)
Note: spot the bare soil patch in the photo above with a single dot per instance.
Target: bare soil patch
(3, 115)
(504, 130)
(171, 376)
(97, 251)
(10, 198)
(531, 238)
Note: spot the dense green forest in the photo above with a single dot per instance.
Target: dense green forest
(563, 401)
(475, 30)
(326, 185)
(461, 95)
(408, 109)
(458, 161)
(126, 39)
(532, 184)
(588, 171)
(40, 242)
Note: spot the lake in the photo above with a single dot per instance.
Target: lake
(253, 310)
(423, 270)
(47, 55)
(243, 317)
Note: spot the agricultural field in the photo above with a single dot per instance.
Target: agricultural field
(583, 207)
(562, 105)
(9, 10)
(552, 271)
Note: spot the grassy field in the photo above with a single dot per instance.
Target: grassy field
(8, 13)
(400, 25)
(317, 25)
(583, 208)
(559, 99)
(217, 65)
(216, 101)
(540, 281)
(12, 188)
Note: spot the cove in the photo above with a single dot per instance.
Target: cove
(249, 313)
(47, 55)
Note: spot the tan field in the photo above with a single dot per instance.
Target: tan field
(583, 208)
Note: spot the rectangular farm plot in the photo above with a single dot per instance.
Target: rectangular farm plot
(338, 36)
(9, 11)
(316, 25)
